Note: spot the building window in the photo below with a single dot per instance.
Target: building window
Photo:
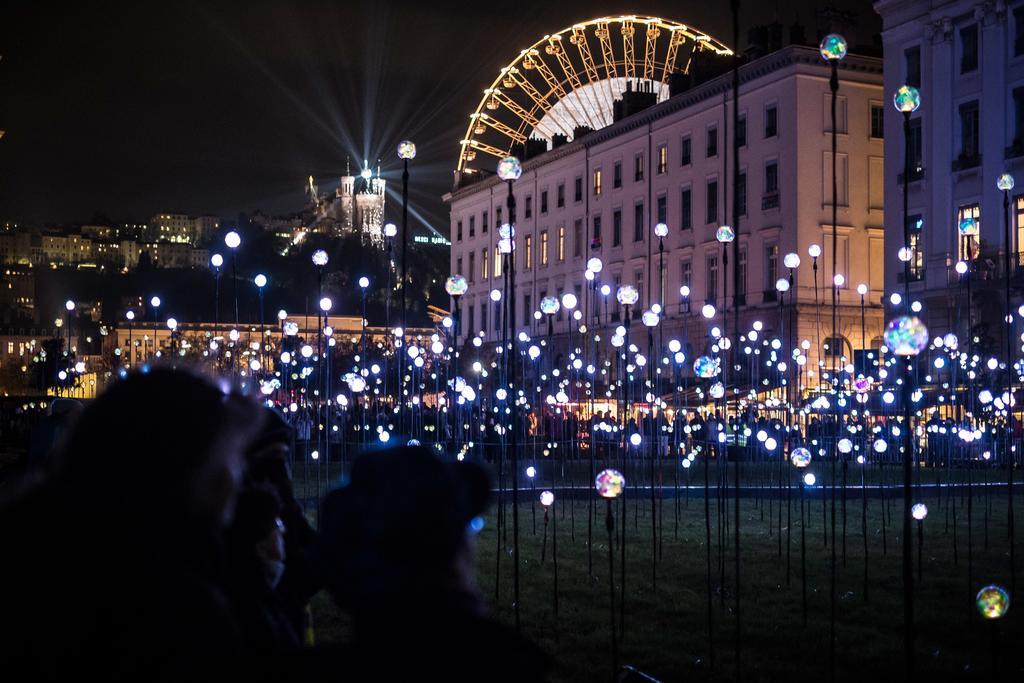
(458, 231)
(496, 308)
(967, 245)
(529, 251)
(741, 132)
(528, 213)
(662, 209)
(740, 295)
(968, 48)
(543, 248)
(711, 214)
(472, 226)
(1018, 121)
(638, 282)
(916, 265)
(561, 243)
(912, 65)
(497, 220)
(685, 280)
(543, 202)
(684, 154)
(685, 209)
(771, 121)
(1018, 217)
(472, 266)
(638, 222)
(578, 189)
(916, 156)
(711, 279)
(712, 146)
(969, 134)
(741, 193)
(472, 321)
(527, 313)
(638, 167)
(834, 347)
(483, 316)
(577, 237)
(771, 267)
(596, 237)
(597, 182)
(1018, 31)
(877, 121)
(617, 228)
(662, 159)
(771, 186)
(484, 222)
(484, 271)
(617, 175)
(497, 262)
(560, 196)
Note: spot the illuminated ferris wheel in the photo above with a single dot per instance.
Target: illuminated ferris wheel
(570, 79)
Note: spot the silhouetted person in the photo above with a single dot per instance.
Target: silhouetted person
(256, 561)
(267, 458)
(399, 555)
(113, 557)
(52, 429)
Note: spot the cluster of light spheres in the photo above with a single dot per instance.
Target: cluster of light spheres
(800, 457)
(993, 601)
(456, 285)
(705, 367)
(968, 227)
(906, 335)
(406, 150)
(549, 305)
(627, 295)
(906, 99)
(609, 483)
(509, 168)
(833, 47)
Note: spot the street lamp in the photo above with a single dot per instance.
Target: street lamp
(130, 315)
(233, 240)
(216, 262)
(1005, 184)
(406, 152)
(154, 302)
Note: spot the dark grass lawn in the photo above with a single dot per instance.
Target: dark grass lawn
(666, 628)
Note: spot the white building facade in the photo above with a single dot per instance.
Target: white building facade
(967, 60)
(601, 195)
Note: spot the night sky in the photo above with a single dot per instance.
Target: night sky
(133, 108)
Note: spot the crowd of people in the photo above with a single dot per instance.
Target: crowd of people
(159, 537)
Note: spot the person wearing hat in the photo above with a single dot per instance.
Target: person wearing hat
(397, 552)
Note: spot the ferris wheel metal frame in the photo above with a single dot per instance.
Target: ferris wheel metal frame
(544, 91)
